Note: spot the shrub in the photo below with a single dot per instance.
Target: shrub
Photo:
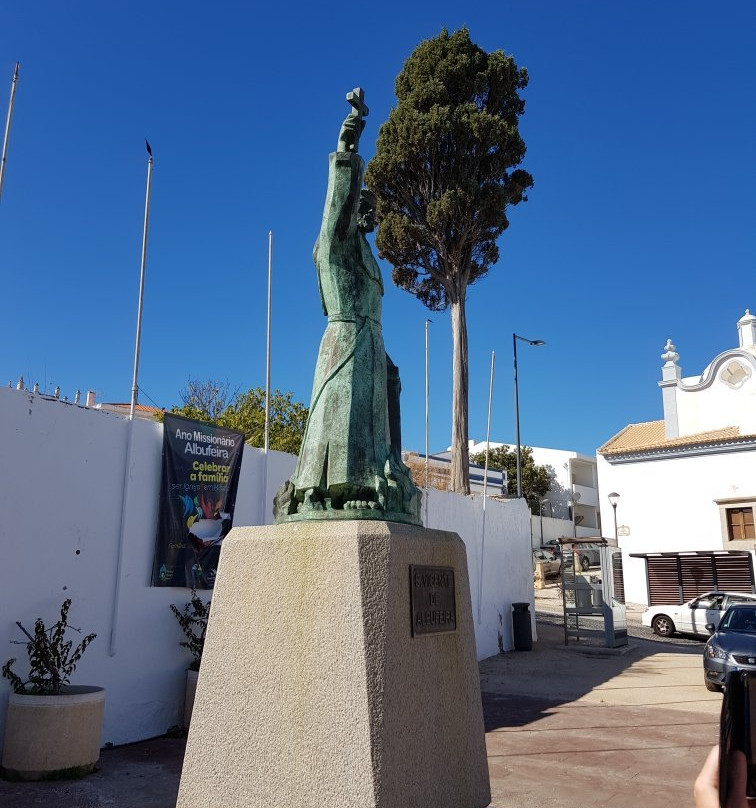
(52, 658)
(193, 622)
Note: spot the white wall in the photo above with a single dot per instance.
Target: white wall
(62, 478)
(718, 405)
(552, 529)
(507, 560)
(668, 506)
(61, 504)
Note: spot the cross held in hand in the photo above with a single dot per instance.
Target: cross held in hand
(357, 99)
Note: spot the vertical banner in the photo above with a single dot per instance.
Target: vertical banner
(201, 464)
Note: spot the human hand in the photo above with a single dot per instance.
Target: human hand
(706, 787)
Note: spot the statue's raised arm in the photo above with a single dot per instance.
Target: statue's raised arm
(351, 129)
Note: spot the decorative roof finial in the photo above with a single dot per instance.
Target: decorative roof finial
(670, 354)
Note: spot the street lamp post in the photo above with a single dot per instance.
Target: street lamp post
(536, 342)
(613, 498)
(540, 508)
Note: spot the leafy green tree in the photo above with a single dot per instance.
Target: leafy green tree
(444, 174)
(536, 480)
(214, 402)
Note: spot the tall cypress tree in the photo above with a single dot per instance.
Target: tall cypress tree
(444, 174)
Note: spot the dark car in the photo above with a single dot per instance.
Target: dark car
(732, 645)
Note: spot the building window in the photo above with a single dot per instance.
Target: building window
(740, 524)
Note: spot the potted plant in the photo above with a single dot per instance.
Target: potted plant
(52, 729)
(193, 621)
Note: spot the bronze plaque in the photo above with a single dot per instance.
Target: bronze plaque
(432, 602)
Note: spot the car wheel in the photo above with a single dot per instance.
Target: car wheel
(663, 625)
(585, 563)
(713, 687)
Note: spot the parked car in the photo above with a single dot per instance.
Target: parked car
(587, 556)
(693, 616)
(732, 645)
(551, 564)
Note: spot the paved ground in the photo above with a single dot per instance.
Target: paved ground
(604, 731)
(565, 728)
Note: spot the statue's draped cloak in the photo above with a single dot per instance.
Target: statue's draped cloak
(347, 440)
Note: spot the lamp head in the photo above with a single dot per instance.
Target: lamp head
(613, 498)
(535, 342)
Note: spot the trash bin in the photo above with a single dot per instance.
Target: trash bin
(583, 598)
(521, 628)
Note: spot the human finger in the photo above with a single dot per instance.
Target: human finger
(706, 787)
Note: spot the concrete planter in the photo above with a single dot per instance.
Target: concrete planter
(51, 737)
(191, 689)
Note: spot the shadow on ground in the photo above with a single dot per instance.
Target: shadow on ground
(553, 674)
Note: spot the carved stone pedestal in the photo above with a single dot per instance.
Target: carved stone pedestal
(339, 671)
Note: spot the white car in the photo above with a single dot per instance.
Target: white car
(692, 617)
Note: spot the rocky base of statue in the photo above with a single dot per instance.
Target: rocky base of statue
(339, 670)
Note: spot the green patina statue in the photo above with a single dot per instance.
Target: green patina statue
(350, 464)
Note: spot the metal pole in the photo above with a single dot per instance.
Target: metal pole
(540, 508)
(517, 418)
(266, 439)
(8, 126)
(134, 382)
(267, 353)
(112, 644)
(427, 411)
(614, 508)
(485, 489)
(115, 608)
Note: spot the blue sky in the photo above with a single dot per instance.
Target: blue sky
(640, 128)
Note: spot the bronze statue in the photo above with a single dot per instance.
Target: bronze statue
(350, 462)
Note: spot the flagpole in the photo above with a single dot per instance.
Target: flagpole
(116, 605)
(8, 126)
(264, 487)
(427, 409)
(267, 351)
(485, 487)
(134, 383)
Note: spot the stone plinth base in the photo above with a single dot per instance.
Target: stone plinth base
(313, 693)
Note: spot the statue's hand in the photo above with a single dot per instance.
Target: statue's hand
(351, 129)
(349, 136)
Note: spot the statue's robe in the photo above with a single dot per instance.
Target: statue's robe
(347, 440)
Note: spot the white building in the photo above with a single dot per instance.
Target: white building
(572, 498)
(688, 482)
(439, 474)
